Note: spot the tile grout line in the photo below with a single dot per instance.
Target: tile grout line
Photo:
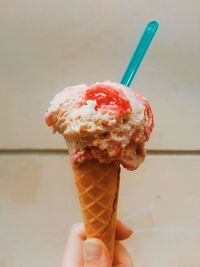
(160, 152)
(173, 152)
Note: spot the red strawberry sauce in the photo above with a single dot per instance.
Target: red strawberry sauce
(105, 95)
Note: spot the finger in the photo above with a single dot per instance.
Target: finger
(122, 231)
(73, 255)
(96, 253)
(121, 257)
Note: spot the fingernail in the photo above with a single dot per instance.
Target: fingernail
(126, 227)
(92, 249)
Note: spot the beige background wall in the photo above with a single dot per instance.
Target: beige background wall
(47, 45)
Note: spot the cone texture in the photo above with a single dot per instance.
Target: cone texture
(98, 186)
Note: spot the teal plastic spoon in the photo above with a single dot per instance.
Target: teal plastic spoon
(139, 53)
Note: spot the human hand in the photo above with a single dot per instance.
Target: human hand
(92, 252)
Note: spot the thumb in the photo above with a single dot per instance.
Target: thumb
(96, 253)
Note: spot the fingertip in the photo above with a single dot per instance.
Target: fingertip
(122, 231)
(124, 226)
(96, 253)
(96, 242)
(78, 229)
(92, 249)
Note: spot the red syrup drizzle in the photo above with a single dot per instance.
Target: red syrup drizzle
(106, 96)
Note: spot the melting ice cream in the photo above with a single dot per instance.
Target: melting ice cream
(106, 121)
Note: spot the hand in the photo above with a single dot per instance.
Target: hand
(92, 252)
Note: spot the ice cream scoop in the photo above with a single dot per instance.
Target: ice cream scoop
(105, 121)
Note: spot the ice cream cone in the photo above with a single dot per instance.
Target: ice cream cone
(98, 185)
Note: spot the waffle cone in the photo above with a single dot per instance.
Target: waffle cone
(98, 185)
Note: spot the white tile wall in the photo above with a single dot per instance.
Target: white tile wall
(160, 202)
(47, 45)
